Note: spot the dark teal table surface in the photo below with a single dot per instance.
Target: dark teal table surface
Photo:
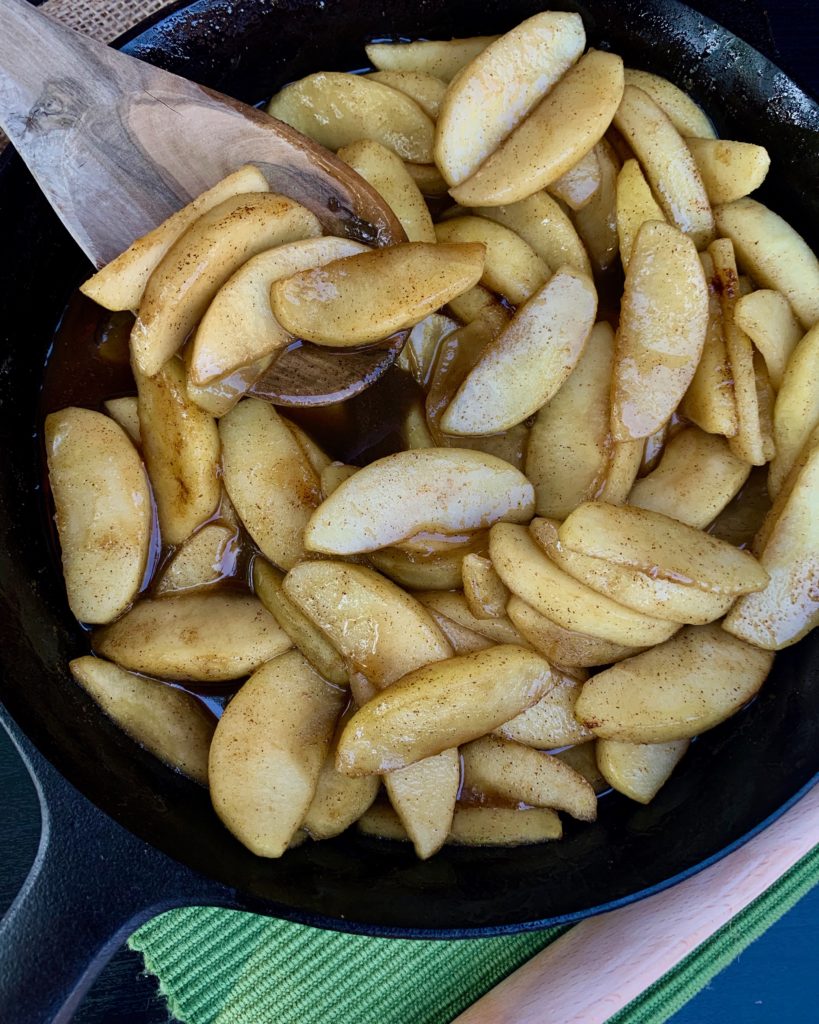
(775, 981)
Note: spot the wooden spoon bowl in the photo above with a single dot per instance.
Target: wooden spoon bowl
(117, 146)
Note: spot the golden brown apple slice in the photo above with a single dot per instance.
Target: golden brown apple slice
(438, 490)
(796, 412)
(729, 170)
(639, 770)
(767, 318)
(683, 112)
(676, 690)
(103, 511)
(442, 58)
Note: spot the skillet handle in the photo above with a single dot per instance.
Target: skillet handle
(91, 885)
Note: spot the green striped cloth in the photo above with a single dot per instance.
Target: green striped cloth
(228, 967)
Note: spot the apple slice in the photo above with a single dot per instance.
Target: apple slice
(561, 129)
(689, 119)
(569, 440)
(440, 706)
(239, 327)
(774, 254)
(120, 283)
(529, 360)
(668, 164)
(697, 476)
(729, 170)
(788, 607)
(335, 109)
(661, 547)
(639, 770)
(796, 412)
(439, 490)
(201, 260)
(365, 298)
(530, 574)
(767, 318)
(389, 177)
(676, 690)
(511, 268)
(499, 87)
(103, 511)
(442, 58)
(635, 206)
(427, 90)
(542, 223)
(269, 479)
(663, 324)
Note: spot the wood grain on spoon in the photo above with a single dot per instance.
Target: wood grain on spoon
(117, 146)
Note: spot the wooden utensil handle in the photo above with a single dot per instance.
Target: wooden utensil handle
(598, 967)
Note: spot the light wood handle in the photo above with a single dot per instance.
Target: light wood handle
(601, 964)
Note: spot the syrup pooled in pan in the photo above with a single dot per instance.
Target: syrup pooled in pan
(88, 363)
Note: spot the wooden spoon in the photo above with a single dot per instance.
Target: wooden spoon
(117, 146)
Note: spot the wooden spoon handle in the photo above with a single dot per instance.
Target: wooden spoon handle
(598, 967)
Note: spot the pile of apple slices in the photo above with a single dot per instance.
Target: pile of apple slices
(549, 590)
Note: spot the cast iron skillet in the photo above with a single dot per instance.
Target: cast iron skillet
(158, 844)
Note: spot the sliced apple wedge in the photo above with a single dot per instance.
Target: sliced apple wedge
(180, 442)
(427, 90)
(306, 636)
(335, 109)
(503, 826)
(366, 298)
(530, 574)
(635, 206)
(379, 629)
(453, 605)
(663, 324)
(170, 723)
(441, 706)
(551, 722)
(562, 128)
(125, 411)
(729, 170)
(499, 87)
(389, 177)
(788, 607)
(710, 401)
(796, 412)
(662, 547)
(668, 164)
(697, 476)
(542, 223)
(205, 558)
(206, 636)
(338, 800)
(525, 365)
(201, 260)
(120, 283)
(676, 690)
(271, 484)
(577, 186)
(103, 511)
(511, 268)
(639, 770)
(443, 58)
(563, 646)
(689, 119)
(624, 462)
(774, 254)
(439, 490)
(753, 440)
(568, 444)
(596, 222)
(497, 767)
(655, 593)
(239, 327)
(767, 318)
(483, 588)
(268, 750)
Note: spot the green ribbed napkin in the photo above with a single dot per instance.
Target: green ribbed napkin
(227, 967)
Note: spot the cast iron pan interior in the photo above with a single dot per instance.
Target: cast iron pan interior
(733, 779)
